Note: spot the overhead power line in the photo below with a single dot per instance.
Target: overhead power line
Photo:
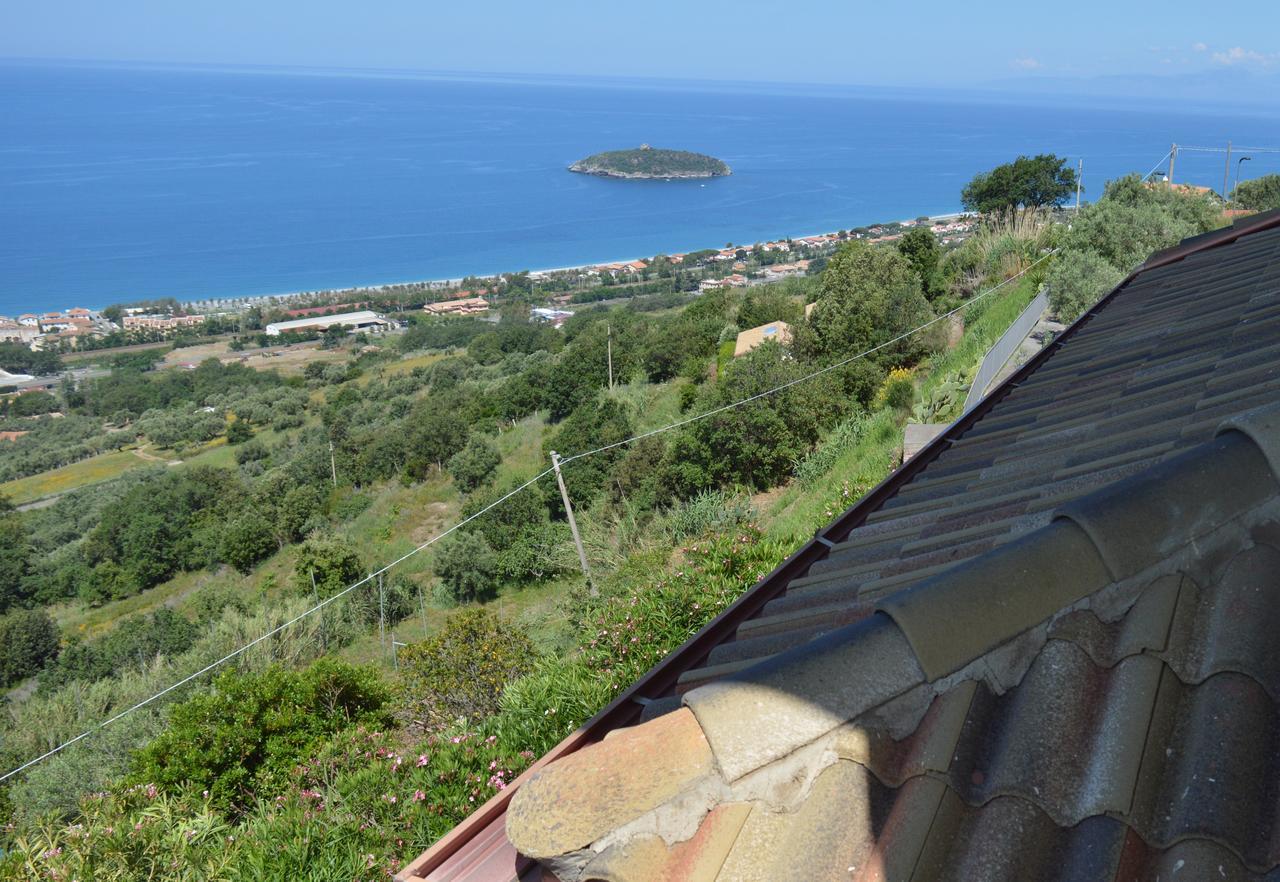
(810, 376)
(276, 630)
(564, 461)
(1234, 149)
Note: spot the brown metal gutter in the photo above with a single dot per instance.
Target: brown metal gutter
(661, 679)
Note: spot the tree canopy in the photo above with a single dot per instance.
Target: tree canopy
(1027, 182)
(869, 295)
(1260, 194)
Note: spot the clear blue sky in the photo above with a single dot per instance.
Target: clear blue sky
(831, 41)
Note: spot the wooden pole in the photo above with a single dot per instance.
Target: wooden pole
(382, 614)
(1079, 175)
(1226, 173)
(422, 608)
(333, 464)
(1173, 155)
(573, 524)
(609, 328)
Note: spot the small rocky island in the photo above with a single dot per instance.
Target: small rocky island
(651, 163)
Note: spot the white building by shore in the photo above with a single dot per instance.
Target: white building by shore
(365, 320)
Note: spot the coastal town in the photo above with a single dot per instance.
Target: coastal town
(305, 316)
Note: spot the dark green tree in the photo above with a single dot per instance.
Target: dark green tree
(1260, 194)
(28, 640)
(239, 432)
(1027, 182)
(15, 556)
(467, 567)
(330, 562)
(246, 540)
(869, 295)
(920, 247)
(474, 464)
(597, 422)
(767, 303)
(756, 444)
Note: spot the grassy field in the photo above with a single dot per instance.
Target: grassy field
(403, 366)
(521, 449)
(287, 360)
(93, 470)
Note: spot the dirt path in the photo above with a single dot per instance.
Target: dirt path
(151, 457)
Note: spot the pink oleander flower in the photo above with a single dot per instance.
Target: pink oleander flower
(422, 760)
(419, 796)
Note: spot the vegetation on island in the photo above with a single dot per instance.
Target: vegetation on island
(351, 740)
(651, 162)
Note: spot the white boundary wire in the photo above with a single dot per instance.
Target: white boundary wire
(817, 373)
(276, 630)
(1155, 167)
(684, 422)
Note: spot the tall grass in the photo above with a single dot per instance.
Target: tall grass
(711, 511)
(1005, 245)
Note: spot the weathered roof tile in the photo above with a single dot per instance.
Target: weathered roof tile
(1091, 698)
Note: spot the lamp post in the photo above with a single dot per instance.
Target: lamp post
(1237, 186)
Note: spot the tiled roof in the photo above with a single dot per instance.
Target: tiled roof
(1100, 679)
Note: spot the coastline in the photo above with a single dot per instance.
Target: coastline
(248, 300)
(451, 282)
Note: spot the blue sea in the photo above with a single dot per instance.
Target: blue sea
(120, 182)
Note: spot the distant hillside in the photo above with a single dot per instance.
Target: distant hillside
(650, 162)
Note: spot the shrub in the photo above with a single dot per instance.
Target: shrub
(467, 567)
(328, 564)
(131, 833)
(246, 540)
(897, 391)
(460, 673)
(708, 512)
(28, 639)
(1077, 280)
(474, 464)
(251, 451)
(817, 462)
(238, 433)
(245, 737)
(1260, 194)
(130, 646)
(942, 403)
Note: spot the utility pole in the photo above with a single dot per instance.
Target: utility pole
(609, 349)
(382, 614)
(1079, 175)
(422, 609)
(1173, 155)
(1226, 173)
(573, 524)
(315, 597)
(333, 465)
